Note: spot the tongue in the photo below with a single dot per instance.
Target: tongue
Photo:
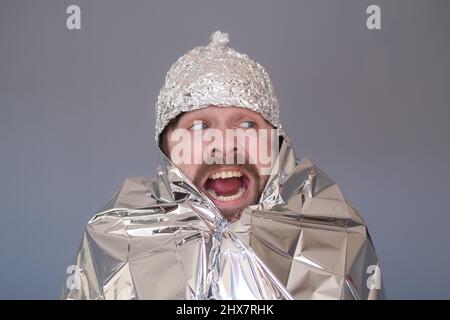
(224, 187)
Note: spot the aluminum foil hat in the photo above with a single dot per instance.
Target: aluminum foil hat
(215, 75)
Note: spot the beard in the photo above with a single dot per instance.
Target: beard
(250, 170)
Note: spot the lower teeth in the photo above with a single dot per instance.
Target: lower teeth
(233, 197)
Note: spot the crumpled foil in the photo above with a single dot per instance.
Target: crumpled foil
(216, 75)
(161, 238)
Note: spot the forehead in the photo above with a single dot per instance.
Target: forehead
(221, 112)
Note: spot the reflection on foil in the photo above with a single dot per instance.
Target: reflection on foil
(161, 238)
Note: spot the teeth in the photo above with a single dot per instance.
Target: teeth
(212, 193)
(226, 174)
(233, 197)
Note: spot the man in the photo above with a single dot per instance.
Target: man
(232, 214)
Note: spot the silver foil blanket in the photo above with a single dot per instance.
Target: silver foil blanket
(161, 238)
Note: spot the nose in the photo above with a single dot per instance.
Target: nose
(226, 147)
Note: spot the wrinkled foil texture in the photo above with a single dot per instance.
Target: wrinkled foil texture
(161, 238)
(216, 75)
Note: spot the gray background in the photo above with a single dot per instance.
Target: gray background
(369, 107)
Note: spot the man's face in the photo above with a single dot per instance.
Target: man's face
(231, 184)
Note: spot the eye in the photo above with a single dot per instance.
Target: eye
(198, 125)
(247, 124)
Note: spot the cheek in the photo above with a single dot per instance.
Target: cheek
(261, 150)
(189, 170)
(179, 161)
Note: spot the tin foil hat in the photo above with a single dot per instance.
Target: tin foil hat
(215, 75)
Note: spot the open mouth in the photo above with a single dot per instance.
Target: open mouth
(227, 186)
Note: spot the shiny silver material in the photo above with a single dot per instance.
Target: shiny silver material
(161, 238)
(216, 75)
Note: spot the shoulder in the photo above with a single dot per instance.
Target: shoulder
(132, 193)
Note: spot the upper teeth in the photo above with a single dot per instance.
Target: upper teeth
(226, 174)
